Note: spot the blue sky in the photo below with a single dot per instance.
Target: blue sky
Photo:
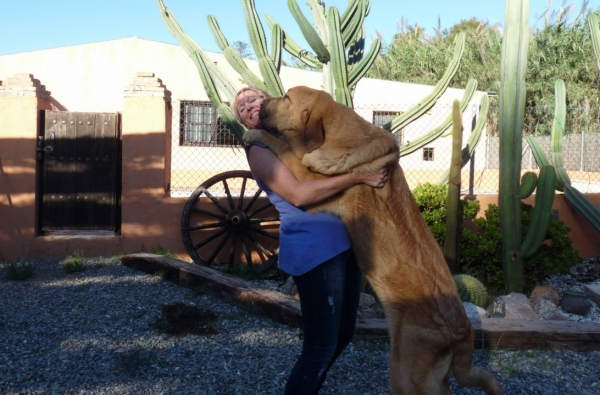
(29, 25)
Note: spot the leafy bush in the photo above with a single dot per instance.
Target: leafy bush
(431, 200)
(481, 250)
(74, 263)
(19, 270)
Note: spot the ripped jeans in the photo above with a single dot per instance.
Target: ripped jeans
(329, 296)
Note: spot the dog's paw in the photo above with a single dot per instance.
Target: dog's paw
(255, 135)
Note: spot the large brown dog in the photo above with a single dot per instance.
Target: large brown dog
(431, 336)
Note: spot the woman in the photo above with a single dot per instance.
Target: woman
(313, 248)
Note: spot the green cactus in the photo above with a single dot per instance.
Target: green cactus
(513, 65)
(471, 290)
(563, 182)
(453, 214)
(528, 184)
(294, 49)
(474, 137)
(429, 101)
(310, 34)
(427, 138)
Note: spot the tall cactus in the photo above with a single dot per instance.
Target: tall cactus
(453, 216)
(512, 112)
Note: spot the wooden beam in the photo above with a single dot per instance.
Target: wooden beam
(490, 333)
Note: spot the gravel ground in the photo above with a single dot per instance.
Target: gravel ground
(91, 332)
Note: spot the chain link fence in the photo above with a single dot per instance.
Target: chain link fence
(202, 147)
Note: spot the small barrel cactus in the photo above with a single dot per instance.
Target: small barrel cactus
(471, 290)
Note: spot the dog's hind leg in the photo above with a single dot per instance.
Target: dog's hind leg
(467, 375)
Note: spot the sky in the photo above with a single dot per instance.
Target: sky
(29, 25)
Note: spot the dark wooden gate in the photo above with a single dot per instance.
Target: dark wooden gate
(80, 180)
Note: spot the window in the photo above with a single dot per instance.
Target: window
(380, 118)
(428, 154)
(201, 126)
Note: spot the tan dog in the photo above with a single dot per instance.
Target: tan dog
(431, 337)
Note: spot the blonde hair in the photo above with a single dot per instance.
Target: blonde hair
(236, 100)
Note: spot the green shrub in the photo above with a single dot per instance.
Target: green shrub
(19, 270)
(431, 200)
(481, 251)
(164, 252)
(74, 263)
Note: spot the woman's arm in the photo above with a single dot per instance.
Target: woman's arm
(282, 181)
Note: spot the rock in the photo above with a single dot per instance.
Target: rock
(289, 288)
(554, 316)
(474, 312)
(512, 306)
(368, 307)
(543, 306)
(594, 291)
(546, 292)
(587, 271)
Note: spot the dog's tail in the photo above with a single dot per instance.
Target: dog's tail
(467, 375)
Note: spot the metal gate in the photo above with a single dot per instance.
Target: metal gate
(80, 171)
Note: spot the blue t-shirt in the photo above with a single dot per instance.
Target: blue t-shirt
(305, 239)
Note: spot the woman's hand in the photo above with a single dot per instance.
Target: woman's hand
(376, 179)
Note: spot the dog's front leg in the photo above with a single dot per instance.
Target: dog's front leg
(284, 153)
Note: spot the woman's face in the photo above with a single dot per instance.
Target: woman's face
(248, 107)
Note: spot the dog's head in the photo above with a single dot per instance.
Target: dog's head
(298, 115)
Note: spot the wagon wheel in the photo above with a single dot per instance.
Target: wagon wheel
(232, 213)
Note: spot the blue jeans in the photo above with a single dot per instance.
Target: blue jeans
(329, 296)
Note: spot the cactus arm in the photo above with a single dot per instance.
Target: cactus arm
(428, 101)
(573, 196)
(217, 33)
(350, 13)
(528, 184)
(276, 44)
(595, 35)
(538, 153)
(223, 110)
(361, 68)
(353, 27)
(338, 59)
(584, 206)
(294, 49)
(420, 142)
(474, 137)
(356, 51)
(542, 211)
(267, 68)
(192, 49)
(558, 132)
(453, 215)
(310, 34)
(513, 65)
(232, 56)
(320, 20)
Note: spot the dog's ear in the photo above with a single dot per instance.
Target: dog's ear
(314, 134)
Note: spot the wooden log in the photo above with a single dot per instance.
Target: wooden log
(275, 305)
(490, 333)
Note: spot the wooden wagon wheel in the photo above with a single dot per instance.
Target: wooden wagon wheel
(232, 213)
